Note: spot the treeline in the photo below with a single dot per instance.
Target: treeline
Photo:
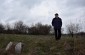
(38, 29)
(21, 28)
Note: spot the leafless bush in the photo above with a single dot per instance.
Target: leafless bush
(73, 28)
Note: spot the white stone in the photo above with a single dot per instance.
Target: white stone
(9, 45)
(18, 48)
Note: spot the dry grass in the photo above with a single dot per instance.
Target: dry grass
(45, 44)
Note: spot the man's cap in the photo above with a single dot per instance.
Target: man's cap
(56, 13)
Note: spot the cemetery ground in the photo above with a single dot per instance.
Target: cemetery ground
(45, 44)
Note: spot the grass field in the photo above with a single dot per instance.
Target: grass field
(45, 44)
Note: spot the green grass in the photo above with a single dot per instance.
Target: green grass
(45, 44)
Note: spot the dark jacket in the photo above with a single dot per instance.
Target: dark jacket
(57, 23)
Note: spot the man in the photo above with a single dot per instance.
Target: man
(57, 24)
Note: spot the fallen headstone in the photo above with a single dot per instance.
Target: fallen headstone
(68, 49)
(67, 46)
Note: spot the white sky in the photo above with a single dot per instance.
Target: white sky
(33, 11)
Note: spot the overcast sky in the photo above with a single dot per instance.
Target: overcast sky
(33, 11)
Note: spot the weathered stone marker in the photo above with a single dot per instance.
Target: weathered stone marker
(18, 48)
(9, 46)
(68, 48)
(14, 48)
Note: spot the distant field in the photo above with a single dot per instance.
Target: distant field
(45, 44)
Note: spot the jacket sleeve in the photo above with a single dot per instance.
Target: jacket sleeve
(53, 22)
(61, 22)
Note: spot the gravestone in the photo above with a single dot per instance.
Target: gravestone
(14, 48)
(18, 48)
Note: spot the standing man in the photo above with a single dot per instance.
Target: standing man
(57, 24)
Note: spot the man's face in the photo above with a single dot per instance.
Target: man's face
(56, 16)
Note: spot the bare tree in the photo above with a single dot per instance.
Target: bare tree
(39, 29)
(73, 28)
(20, 27)
(1, 28)
(43, 29)
(8, 29)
